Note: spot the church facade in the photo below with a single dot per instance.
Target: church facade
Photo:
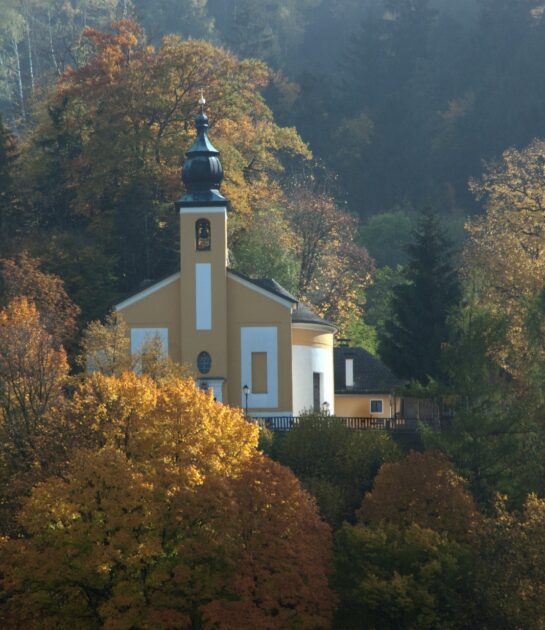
(247, 340)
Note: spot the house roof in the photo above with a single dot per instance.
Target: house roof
(371, 376)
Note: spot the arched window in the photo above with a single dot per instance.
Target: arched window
(203, 235)
(204, 362)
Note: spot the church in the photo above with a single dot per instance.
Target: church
(250, 342)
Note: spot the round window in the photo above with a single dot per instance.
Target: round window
(204, 362)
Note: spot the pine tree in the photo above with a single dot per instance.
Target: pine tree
(411, 341)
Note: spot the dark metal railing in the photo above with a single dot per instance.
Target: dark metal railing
(287, 423)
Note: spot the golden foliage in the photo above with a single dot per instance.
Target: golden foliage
(176, 521)
(506, 248)
(32, 375)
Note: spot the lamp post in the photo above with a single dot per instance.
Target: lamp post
(325, 408)
(246, 391)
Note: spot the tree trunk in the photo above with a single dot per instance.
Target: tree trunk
(15, 46)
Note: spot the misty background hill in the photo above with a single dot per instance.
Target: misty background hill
(400, 101)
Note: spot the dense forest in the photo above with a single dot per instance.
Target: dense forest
(385, 161)
(397, 105)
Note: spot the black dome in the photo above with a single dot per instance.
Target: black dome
(202, 172)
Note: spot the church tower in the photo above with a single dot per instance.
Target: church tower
(203, 263)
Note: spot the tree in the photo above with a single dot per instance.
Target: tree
(506, 247)
(333, 269)
(173, 520)
(509, 567)
(408, 561)
(334, 463)
(8, 199)
(22, 277)
(402, 577)
(494, 437)
(33, 373)
(411, 341)
(119, 194)
(424, 489)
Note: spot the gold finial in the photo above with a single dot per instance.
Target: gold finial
(202, 100)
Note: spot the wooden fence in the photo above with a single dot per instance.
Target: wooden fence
(287, 423)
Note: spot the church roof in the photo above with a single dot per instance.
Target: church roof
(303, 315)
(268, 284)
(371, 376)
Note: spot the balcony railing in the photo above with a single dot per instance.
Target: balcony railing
(287, 423)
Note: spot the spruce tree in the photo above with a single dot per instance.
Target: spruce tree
(411, 341)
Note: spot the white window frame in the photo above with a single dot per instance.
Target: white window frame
(376, 400)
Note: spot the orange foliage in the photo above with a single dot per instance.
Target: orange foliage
(22, 277)
(147, 100)
(421, 489)
(176, 521)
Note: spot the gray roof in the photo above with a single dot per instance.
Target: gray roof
(303, 315)
(371, 376)
(268, 284)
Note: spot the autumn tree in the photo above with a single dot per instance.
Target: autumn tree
(423, 488)
(117, 196)
(189, 524)
(410, 342)
(333, 269)
(33, 373)
(22, 276)
(509, 567)
(506, 246)
(408, 561)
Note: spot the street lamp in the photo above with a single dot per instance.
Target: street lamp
(325, 408)
(246, 391)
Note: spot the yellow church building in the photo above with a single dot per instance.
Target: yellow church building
(249, 341)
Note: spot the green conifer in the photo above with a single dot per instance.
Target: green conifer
(411, 341)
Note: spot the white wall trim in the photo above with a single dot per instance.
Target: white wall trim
(324, 328)
(259, 339)
(149, 291)
(203, 296)
(267, 294)
(204, 210)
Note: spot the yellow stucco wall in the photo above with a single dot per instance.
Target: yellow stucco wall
(248, 307)
(359, 405)
(160, 309)
(311, 336)
(213, 341)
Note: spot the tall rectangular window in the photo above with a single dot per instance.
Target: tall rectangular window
(259, 373)
(349, 372)
(316, 391)
(203, 296)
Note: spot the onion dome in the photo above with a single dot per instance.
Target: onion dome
(202, 172)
